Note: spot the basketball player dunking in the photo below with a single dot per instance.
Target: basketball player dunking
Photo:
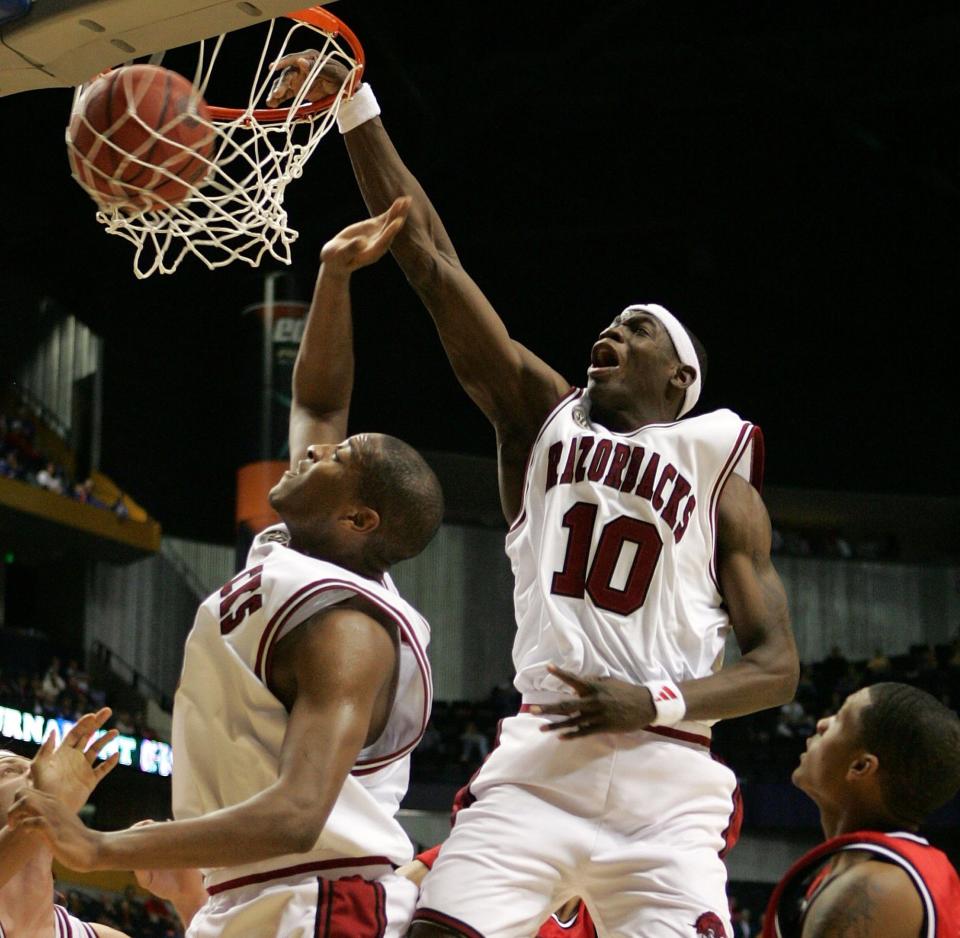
(305, 683)
(637, 539)
(876, 770)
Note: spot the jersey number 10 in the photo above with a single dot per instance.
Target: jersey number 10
(574, 579)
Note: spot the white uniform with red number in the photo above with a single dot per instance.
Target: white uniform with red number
(614, 562)
(228, 730)
(64, 926)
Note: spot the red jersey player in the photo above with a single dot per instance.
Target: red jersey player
(888, 759)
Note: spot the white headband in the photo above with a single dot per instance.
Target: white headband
(681, 342)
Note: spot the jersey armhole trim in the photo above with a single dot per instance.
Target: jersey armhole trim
(572, 394)
(736, 454)
(408, 635)
(891, 856)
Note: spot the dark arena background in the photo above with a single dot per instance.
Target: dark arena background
(785, 178)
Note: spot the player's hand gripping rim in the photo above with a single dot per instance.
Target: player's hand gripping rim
(602, 705)
(296, 68)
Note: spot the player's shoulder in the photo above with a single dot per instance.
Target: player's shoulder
(869, 894)
(722, 419)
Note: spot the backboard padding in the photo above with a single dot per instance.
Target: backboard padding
(62, 43)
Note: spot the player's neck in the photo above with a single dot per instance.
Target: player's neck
(349, 560)
(858, 817)
(628, 418)
(26, 901)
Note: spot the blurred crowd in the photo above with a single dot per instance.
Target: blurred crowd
(21, 460)
(128, 912)
(764, 746)
(790, 542)
(63, 691)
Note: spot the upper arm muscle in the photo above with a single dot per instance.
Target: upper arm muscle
(751, 588)
(335, 675)
(870, 900)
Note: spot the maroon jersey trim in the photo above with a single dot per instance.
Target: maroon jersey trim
(572, 394)
(736, 454)
(282, 873)
(447, 921)
(309, 591)
(859, 840)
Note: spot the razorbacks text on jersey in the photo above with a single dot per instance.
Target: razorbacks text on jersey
(228, 727)
(613, 552)
(930, 871)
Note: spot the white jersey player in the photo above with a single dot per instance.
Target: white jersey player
(227, 669)
(305, 683)
(618, 507)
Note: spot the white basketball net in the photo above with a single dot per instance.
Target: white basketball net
(236, 212)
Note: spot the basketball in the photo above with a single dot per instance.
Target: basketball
(140, 138)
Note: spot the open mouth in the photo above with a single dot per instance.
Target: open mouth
(603, 357)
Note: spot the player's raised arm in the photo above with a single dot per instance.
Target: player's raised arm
(513, 387)
(334, 672)
(323, 373)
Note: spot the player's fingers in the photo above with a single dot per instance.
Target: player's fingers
(578, 684)
(585, 729)
(32, 825)
(389, 232)
(400, 207)
(106, 767)
(46, 747)
(557, 709)
(93, 750)
(292, 58)
(22, 807)
(80, 730)
(559, 725)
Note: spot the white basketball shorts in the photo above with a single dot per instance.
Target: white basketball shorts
(309, 906)
(635, 824)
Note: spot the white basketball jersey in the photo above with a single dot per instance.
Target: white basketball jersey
(228, 727)
(613, 552)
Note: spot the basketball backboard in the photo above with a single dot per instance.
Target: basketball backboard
(62, 43)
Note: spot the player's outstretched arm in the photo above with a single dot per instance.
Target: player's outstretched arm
(765, 676)
(513, 387)
(871, 898)
(337, 666)
(323, 372)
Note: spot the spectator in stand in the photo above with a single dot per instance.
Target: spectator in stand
(53, 684)
(795, 722)
(124, 723)
(49, 478)
(11, 468)
(474, 746)
(878, 668)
